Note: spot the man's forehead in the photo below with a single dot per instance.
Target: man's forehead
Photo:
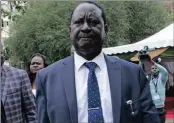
(37, 58)
(153, 66)
(86, 7)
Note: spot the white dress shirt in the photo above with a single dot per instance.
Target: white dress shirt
(81, 79)
(34, 92)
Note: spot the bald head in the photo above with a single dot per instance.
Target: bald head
(95, 4)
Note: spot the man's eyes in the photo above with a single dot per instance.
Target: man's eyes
(92, 22)
(35, 63)
(79, 21)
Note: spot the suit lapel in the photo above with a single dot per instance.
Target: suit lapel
(68, 76)
(4, 83)
(114, 73)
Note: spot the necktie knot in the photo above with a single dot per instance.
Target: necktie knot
(90, 65)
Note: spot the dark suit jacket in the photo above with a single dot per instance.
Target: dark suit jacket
(56, 93)
(17, 96)
(3, 117)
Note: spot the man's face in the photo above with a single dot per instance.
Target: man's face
(37, 64)
(154, 69)
(87, 30)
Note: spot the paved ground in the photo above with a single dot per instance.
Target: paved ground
(170, 121)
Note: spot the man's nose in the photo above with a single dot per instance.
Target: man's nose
(86, 28)
(35, 65)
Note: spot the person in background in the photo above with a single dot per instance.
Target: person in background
(35, 64)
(16, 95)
(158, 79)
(89, 86)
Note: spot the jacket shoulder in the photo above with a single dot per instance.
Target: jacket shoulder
(124, 63)
(54, 67)
(13, 69)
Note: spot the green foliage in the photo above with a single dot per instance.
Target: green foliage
(118, 24)
(15, 9)
(44, 28)
(145, 18)
(7, 53)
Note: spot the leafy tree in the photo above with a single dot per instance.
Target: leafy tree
(44, 27)
(118, 24)
(145, 18)
(13, 9)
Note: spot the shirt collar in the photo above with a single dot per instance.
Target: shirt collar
(79, 60)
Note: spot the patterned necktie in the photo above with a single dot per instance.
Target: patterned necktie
(95, 114)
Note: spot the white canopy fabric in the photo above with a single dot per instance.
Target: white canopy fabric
(163, 38)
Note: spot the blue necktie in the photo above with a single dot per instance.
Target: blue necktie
(95, 114)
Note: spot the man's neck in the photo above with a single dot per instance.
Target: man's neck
(155, 75)
(89, 57)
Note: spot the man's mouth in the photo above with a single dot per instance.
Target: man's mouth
(85, 41)
(86, 38)
(35, 70)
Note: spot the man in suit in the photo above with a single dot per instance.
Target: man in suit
(90, 86)
(16, 95)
